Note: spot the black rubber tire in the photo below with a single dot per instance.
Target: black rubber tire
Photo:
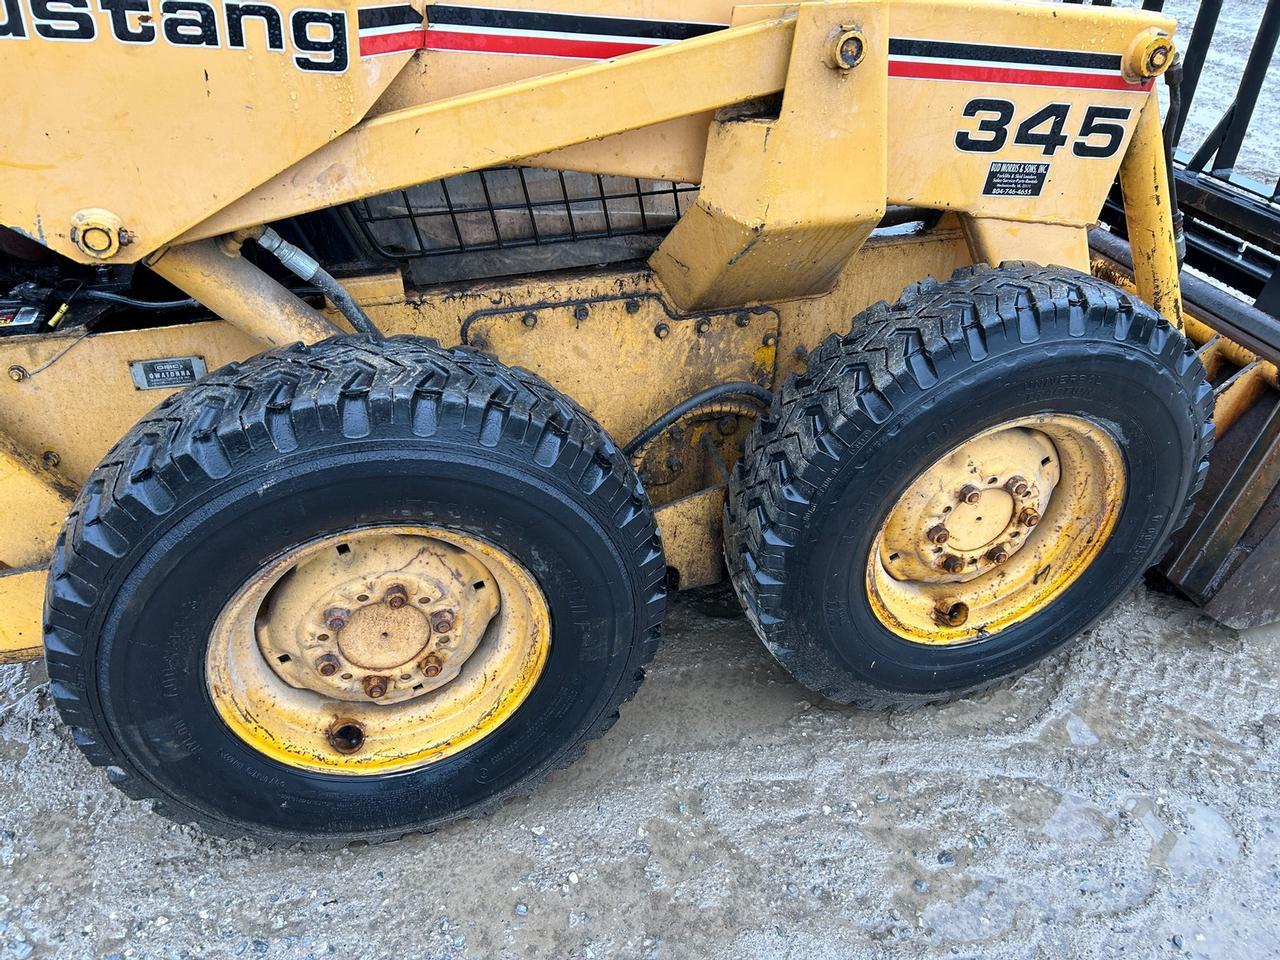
(877, 407)
(304, 441)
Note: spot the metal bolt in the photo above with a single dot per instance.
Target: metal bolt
(442, 621)
(17, 373)
(376, 687)
(1017, 486)
(345, 736)
(951, 563)
(1157, 59)
(970, 494)
(938, 534)
(770, 339)
(530, 319)
(327, 665)
(581, 312)
(396, 596)
(999, 553)
(335, 618)
(662, 331)
(51, 458)
(1029, 517)
(742, 319)
(704, 325)
(431, 665)
(951, 614)
(633, 306)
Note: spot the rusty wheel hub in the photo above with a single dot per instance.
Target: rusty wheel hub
(996, 529)
(378, 649)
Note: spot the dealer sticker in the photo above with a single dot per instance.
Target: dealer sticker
(1007, 178)
(166, 373)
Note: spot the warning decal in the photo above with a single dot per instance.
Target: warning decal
(1010, 179)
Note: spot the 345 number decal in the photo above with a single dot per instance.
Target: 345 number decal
(1099, 136)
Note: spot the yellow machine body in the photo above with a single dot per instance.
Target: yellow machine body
(167, 134)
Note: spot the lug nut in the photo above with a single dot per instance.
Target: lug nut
(970, 494)
(431, 665)
(335, 618)
(951, 614)
(396, 597)
(327, 665)
(1017, 486)
(375, 687)
(951, 563)
(938, 534)
(1029, 517)
(999, 553)
(442, 621)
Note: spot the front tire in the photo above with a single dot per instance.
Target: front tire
(836, 523)
(360, 479)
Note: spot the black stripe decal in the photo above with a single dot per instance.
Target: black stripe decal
(1020, 56)
(400, 14)
(567, 23)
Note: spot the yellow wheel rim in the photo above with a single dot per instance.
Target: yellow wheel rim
(377, 650)
(996, 530)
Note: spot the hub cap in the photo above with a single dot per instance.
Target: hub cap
(995, 531)
(378, 649)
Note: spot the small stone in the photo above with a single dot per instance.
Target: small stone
(22, 950)
(793, 890)
(259, 946)
(459, 940)
(946, 858)
(920, 886)
(521, 910)
(1177, 940)
(537, 831)
(573, 877)
(826, 810)
(980, 842)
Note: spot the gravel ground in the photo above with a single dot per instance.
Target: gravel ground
(1116, 801)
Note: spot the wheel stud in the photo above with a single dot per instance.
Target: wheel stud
(1029, 517)
(999, 553)
(1017, 486)
(951, 563)
(970, 494)
(431, 665)
(442, 621)
(335, 618)
(396, 597)
(951, 614)
(938, 534)
(327, 665)
(375, 687)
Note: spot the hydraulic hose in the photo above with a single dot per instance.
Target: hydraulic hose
(734, 388)
(305, 268)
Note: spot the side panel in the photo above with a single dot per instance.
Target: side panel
(162, 111)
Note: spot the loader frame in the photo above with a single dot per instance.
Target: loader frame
(779, 250)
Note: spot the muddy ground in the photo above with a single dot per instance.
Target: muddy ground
(1117, 801)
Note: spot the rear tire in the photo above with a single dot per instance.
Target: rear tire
(879, 407)
(295, 445)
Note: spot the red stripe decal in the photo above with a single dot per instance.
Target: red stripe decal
(410, 39)
(535, 46)
(1041, 78)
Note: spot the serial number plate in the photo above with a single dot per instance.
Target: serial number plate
(166, 373)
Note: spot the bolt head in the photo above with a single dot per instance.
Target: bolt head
(998, 553)
(938, 534)
(17, 374)
(442, 621)
(970, 494)
(530, 319)
(1029, 517)
(951, 563)
(50, 458)
(375, 688)
(327, 665)
(662, 331)
(704, 325)
(431, 665)
(396, 597)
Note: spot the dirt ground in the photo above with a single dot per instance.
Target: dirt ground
(1117, 801)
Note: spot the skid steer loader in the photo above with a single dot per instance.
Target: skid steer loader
(376, 370)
